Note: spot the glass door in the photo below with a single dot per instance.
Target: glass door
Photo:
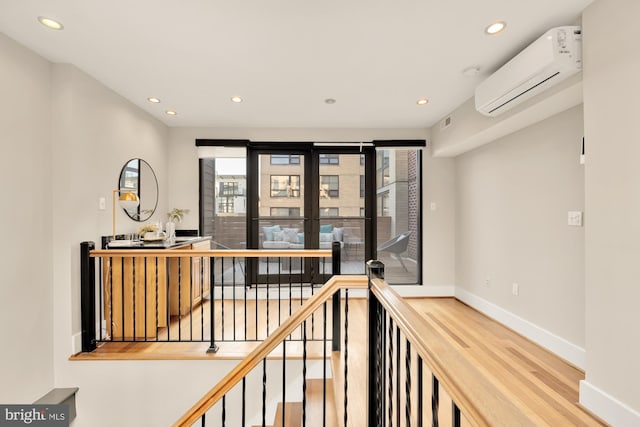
(341, 207)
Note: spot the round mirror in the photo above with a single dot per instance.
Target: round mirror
(138, 177)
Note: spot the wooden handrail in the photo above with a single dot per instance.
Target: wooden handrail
(479, 398)
(335, 284)
(214, 253)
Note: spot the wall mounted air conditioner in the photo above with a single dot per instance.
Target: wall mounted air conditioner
(553, 57)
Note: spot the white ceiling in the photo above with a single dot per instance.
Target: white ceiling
(285, 57)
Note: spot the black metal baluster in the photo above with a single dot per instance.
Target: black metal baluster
(191, 298)
(324, 365)
(145, 298)
(256, 294)
(284, 382)
(167, 262)
(111, 296)
(420, 381)
(244, 260)
(279, 282)
(244, 401)
(202, 280)
(267, 292)
(398, 366)
(212, 308)
(390, 389)
(157, 301)
(346, 353)
(304, 375)
(179, 299)
(123, 296)
(407, 382)
(222, 296)
(133, 290)
(224, 410)
(435, 400)
(264, 392)
(101, 310)
(203, 420)
(455, 415)
(233, 279)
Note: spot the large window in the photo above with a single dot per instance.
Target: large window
(285, 185)
(368, 199)
(329, 186)
(398, 204)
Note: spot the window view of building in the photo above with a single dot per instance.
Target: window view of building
(342, 192)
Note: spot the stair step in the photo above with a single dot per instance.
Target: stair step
(292, 415)
(315, 403)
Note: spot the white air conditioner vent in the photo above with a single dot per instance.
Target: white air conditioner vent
(553, 57)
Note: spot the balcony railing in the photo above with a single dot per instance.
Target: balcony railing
(199, 295)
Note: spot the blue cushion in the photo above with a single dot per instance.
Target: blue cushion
(301, 238)
(268, 231)
(327, 228)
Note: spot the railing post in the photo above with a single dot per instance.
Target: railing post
(375, 270)
(88, 296)
(335, 271)
(213, 348)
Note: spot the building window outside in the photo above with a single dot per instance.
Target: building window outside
(285, 212)
(285, 185)
(285, 159)
(329, 186)
(362, 212)
(329, 212)
(362, 189)
(382, 168)
(383, 204)
(329, 159)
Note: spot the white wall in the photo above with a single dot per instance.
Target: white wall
(26, 308)
(438, 226)
(612, 184)
(512, 199)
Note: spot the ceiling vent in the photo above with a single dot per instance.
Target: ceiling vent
(553, 57)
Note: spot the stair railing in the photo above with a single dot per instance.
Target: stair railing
(402, 345)
(258, 357)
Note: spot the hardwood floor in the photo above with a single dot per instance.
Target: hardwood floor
(535, 380)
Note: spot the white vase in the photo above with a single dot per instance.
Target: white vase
(170, 230)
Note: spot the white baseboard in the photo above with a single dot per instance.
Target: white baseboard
(561, 347)
(607, 407)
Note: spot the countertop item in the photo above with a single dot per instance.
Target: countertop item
(175, 243)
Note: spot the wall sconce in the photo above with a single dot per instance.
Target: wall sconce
(128, 200)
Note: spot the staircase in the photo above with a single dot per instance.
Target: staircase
(289, 414)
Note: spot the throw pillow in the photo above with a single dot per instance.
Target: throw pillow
(326, 228)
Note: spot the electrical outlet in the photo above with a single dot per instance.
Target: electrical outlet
(515, 289)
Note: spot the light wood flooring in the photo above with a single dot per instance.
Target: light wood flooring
(538, 381)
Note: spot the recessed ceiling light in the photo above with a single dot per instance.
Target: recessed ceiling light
(495, 27)
(422, 101)
(329, 101)
(153, 100)
(171, 113)
(236, 99)
(50, 23)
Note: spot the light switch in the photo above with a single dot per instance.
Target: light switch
(575, 218)
(102, 204)
(433, 206)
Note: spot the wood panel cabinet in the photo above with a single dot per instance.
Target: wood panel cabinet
(141, 294)
(189, 280)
